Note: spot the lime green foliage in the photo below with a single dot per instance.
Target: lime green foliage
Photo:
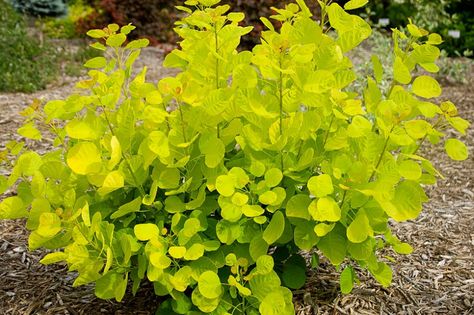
(26, 64)
(190, 182)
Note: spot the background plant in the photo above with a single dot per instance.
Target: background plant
(451, 70)
(66, 26)
(192, 182)
(26, 64)
(444, 16)
(155, 19)
(41, 7)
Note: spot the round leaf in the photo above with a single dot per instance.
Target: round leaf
(294, 272)
(273, 177)
(426, 87)
(321, 185)
(225, 185)
(177, 251)
(456, 150)
(359, 229)
(268, 197)
(252, 210)
(325, 209)
(84, 158)
(146, 231)
(275, 228)
(410, 170)
(210, 285)
(297, 207)
(346, 280)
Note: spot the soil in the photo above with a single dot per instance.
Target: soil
(437, 278)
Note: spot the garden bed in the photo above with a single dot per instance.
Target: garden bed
(438, 278)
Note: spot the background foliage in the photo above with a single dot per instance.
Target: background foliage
(26, 64)
(155, 19)
(41, 7)
(440, 16)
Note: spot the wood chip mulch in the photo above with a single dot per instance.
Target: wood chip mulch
(438, 278)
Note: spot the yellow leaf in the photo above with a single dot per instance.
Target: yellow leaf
(113, 181)
(84, 158)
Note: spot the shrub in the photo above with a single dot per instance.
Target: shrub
(41, 7)
(65, 27)
(193, 182)
(26, 65)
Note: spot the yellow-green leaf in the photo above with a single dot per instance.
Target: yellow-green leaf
(355, 4)
(252, 210)
(401, 72)
(297, 207)
(359, 229)
(53, 258)
(225, 185)
(177, 251)
(359, 127)
(410, 170)
(146, 231)
(96, 33)
(417, 129)
(322, 229)
(12, 208)
(49, 225)
(116, 40)
(456, 150)
(154, 97)
(275, 228)
(160, 260)
(321, 185)
(113, 181)
(158, 144)
(96, 63)
(29, 131)
(116, 153)
(378, 68)
(209, 285)
(84, 158)
(273, 177)
(346, 280)
(434, 39)
(325, 209)
(85, 214)
(426, 87)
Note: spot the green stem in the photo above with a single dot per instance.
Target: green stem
(217, 59)
(381, 156)
(167, 121)
(328, 132)
(426, 136)
(343, 199)
(281, 100)
(182, 122)
(124, 157)
(281, 109)
(324, 13)
(216, 38)
(56, 132)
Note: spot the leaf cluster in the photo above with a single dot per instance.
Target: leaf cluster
(192, 182)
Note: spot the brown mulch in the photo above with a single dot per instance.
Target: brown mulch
(438, 278)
